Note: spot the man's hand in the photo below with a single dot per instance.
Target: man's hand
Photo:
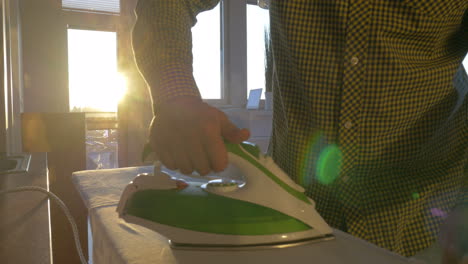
(454, 237)
(188, 134)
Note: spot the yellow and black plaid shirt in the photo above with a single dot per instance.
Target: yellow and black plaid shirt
(372, 88)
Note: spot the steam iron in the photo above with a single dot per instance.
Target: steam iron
(263, 208)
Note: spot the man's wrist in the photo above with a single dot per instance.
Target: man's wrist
(184, 99)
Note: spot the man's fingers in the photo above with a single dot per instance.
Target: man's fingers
(231, 132)
(199, 158)
(168, 161)
(244, 134)
(216, 152)
(189, 135)
(182, 156)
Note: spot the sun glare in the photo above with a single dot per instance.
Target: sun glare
(95, 85)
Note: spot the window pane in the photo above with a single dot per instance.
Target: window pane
(101, 149)
(257, 21)
(206, 50)
(94, 83)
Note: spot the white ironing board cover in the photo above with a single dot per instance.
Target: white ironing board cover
(117, 242)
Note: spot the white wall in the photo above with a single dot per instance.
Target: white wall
(45, 63)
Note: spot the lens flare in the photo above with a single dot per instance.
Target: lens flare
(321, 161)
(308, 160)
(438, 212)
(329, 164)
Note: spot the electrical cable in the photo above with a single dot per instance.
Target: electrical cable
(64, 208)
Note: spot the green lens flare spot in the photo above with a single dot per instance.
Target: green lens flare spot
(307, 162)
(329, 164)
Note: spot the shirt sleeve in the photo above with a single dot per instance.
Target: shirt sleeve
(162, 45)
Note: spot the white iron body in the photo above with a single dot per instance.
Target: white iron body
(258, 188)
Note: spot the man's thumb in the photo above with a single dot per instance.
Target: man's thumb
(231, 132)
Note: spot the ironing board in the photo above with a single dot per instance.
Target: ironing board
(115, 241)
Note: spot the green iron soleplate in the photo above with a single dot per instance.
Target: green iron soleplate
(195, 209)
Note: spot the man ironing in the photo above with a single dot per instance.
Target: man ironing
(378, 82)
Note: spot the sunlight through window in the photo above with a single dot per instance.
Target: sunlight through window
(206, 51)
(257, 20)
(94, 82)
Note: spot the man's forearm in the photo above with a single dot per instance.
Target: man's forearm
(162, 44)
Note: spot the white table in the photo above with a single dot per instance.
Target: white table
(115, 241)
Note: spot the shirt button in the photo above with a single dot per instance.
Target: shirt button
(354, 60)
(348, 125)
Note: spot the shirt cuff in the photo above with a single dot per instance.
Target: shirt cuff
(175, 81)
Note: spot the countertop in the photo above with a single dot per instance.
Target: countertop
(24, 217)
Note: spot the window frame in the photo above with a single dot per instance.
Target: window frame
(233, 54)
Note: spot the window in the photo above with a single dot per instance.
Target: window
(94, 82)
(95, 85)
(206, 51)
(229, 51)
(226, 63)
(257, 25)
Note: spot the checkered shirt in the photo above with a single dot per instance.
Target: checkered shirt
(370, 105)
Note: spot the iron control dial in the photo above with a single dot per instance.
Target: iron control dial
(221, 185)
